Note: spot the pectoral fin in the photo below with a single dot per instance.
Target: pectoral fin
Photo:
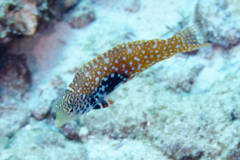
(103, 104)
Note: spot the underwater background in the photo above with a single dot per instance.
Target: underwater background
(184, 108)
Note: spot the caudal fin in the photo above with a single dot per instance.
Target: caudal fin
(194, 37)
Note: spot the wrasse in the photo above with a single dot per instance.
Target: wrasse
(99, 77)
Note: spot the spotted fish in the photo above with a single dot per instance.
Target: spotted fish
(99, 77)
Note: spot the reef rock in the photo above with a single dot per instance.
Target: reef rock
(82, 16)
(214, 15)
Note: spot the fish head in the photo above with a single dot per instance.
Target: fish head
(66, 109)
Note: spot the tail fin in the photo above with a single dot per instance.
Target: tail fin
(194, 37)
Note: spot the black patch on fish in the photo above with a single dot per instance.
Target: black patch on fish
(114, 80)
(106, 87)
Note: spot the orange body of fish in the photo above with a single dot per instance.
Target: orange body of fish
(99, 77)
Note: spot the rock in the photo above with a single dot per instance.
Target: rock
(18, 17)
(21, 17)
(69, 3)
(60, 7)
(70, 130)
(25, 18)
(15, 75)
(12, 118)
(4, 142)
(133, 6)
(235, 155)
(214, 15)
(33, 140)
(183, 82)
(83, 134)
(41, 110)
(82, 16)
(48, 94)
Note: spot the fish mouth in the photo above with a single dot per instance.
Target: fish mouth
(63, 118)
(58, 123)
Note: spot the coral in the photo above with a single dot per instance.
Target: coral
(214, 15)
(82, 16)
(197, 119)
(21, 17)
(37, 138)
(17, 18)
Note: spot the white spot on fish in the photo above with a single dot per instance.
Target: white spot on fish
(130, 63)
(136, 58)
(177, 46)
(139, 66)
(129, 51)
(106, 60)
(104, 78)
(86, 74)
(96, 79)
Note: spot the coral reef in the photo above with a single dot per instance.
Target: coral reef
(12, 119)
(42, 139)
(221, 20)
(21, 17)
(82, 16)
(186, 107)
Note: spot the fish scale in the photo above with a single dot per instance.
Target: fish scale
(99, 77)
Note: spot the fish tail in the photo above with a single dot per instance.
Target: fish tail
(194, 38)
